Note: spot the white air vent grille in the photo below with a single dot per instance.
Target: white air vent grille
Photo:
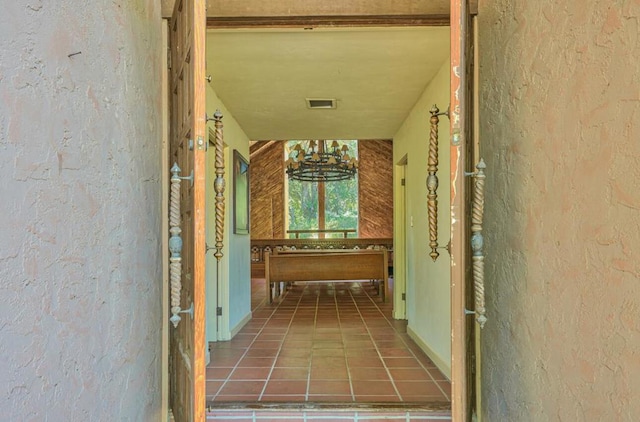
(321, 103)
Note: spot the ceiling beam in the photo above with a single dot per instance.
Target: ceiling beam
(257, 150)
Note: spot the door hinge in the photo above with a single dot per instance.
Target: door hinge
(402, 182)
(169, 58)
(219, 311)
(404, 296)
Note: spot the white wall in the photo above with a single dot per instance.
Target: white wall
(428, 283)
(80, 250)
(235, 282)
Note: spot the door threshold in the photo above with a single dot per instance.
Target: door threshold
(436, 407)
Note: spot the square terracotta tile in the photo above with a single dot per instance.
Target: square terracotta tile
(218, 373)
(328, 362)
(289, 374)
(297, 344)
(328, 344)
(364, 362)
(359, 345)
(323, 373)
(250, 374)
(213, 387)
(226, 362)
(261, 353)
(295, 353)
(373, 388)
(250, 362)
(241, 388)
(401, 363)
(396, 353)
(331, 398)
(292, 362)
(409, 374)
(329, 387)
(437, 375)
(371, 353)
(267, 344)
(280, 387)
(328, 352)
(290, 398)
(418, 388)
(371, 374)
(250, 398)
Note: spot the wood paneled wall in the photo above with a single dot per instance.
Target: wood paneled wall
(267, 190)
(375, 177)
(375, 183)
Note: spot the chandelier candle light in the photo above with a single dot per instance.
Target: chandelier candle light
(319, 163)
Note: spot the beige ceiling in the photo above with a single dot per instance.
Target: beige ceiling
(375, 74)
(318, 7)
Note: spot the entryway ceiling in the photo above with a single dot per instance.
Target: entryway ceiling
(264, 76)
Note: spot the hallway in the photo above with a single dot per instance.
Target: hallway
(323, 343)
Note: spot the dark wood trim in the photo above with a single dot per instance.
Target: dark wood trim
(304, 22)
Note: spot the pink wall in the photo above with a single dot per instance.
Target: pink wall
(80, 269)
(560, 94)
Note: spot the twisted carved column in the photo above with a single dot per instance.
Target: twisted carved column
(477, 242)
(219, 183)
(432, 183)
(175, 245)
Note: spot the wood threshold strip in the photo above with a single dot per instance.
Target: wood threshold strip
(436, 406)
(325, 21)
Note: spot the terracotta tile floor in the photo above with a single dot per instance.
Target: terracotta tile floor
(323, 343)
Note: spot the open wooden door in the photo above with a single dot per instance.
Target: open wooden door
(463, 161)
(187, 148)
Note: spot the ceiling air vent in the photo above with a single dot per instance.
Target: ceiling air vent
(321, 103)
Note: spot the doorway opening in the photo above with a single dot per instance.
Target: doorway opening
(378, 85)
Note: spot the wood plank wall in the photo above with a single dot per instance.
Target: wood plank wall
(376, 188)
(375, 197)
(266, 180)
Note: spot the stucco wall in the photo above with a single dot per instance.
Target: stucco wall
(560, 90)
(80, 256)
(428, 283)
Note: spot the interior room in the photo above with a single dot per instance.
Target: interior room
(329, 341)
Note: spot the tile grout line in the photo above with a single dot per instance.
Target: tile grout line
(273, 365)
(344, 349)
(310, 367)
(410, 351)
(244, 354)
(375, 344)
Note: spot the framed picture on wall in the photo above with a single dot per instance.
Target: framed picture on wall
(240, 194)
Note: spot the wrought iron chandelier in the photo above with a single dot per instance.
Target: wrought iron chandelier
(318, 163)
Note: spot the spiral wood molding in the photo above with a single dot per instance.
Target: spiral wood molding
(432, 182)
(175, 245)
(219, 184)
(477, 243)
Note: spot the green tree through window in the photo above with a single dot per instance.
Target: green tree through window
(340, 201)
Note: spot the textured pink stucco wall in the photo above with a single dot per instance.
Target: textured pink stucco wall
(560, 111)
(80, 267)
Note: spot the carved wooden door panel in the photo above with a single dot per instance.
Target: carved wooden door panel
(463, 161)
(187, 150)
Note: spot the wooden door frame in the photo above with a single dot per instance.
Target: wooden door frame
(459, 125)
(458, 252)
(187, 146)
(400, 240)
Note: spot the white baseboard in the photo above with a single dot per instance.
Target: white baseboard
(235, 330)
(442, 365)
